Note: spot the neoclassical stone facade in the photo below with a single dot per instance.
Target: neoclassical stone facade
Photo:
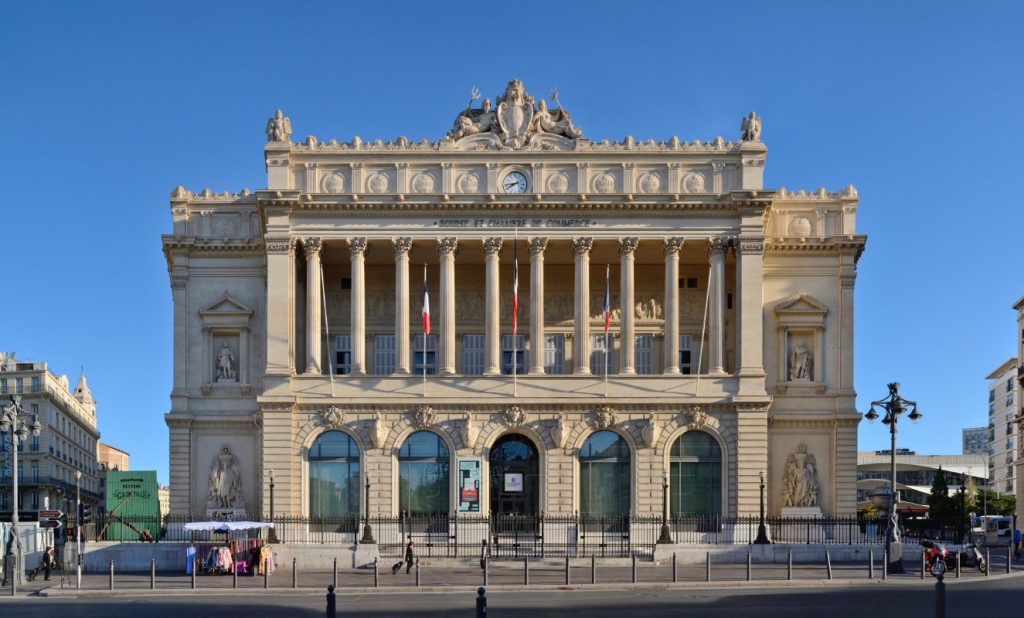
(297, 314)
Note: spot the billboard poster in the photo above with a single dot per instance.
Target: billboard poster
(469, 485)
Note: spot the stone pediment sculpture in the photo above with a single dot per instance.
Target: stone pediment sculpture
(423, 417)
(225, 365)
(695, 417)
(750, 128)
(604, 417)
(559, 432)
(649, 431)
(378, 431)
(514, 416)
(225, 490)
(279, 128)
(468, 431)
(800, 483)
(517, 121)
(331, 417)
(800, 367)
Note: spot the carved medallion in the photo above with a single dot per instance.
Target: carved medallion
(514, 416)
(515, 114)
(604, 417)
(649, 183)
(377, 183)
(333, 183)
(423, 183)
(331, 417)
(468, 183)
(800, 227)
(694, 182)
(604, 183)
(695, 417)
(558, 183)
(423, 417)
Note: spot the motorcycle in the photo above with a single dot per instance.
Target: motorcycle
(935, 551)
(972, 556)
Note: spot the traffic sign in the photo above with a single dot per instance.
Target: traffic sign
(50, 514)
(50, 523)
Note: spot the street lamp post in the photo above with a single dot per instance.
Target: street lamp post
(963, 508)
(13, 418)
(272, 534)
(762, 531)
(367, 530)
(893, 405)
(666, 534)
(78, 528)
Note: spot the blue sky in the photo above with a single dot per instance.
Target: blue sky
(105, 107)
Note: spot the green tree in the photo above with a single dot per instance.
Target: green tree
(939, 502)
(972, 494)
(994, 503)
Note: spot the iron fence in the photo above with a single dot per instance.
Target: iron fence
(503, 536)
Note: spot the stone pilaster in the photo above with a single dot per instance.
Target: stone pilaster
(627, 251)
(581, 250)
(671, 247)
(314, 303)
(492, 330)
(402, 247)
(751, 456)
(446, 248)
(357, 251)
(537, 247)
(280, 293)
(716, 323)
(750, 317)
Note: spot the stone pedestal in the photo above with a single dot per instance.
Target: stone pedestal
(801, 512)
(234, 514)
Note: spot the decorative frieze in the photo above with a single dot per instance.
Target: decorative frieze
(331, 417)
(514, 416)
(695, 417)
(604, 417)
(423, 417)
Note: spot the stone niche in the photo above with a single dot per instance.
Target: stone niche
(801, 345)
(208, 444)
(785, 440)
(226, 346)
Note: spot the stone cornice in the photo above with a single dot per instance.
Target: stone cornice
(845, 245)
(456, 410)
(192, 244)
(567, 202)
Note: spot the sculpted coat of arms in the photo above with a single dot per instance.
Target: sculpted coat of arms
(517, 121)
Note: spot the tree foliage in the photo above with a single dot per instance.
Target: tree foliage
(939, 502)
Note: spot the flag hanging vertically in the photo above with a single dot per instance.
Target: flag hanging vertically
(607, 301)
(515, 289)
(426, 305)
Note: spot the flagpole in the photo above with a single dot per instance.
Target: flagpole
(327, 330)
(426, 326)
(607, 319)
(515, 307)
(703, 328)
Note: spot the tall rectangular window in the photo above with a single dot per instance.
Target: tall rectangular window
(34, 443)
(513, 354)
(600, 361)
(554, 354)
(472, 354)
(3, 386)
(34, 500)
(383, 355)
(686, 354)
(35, 384)
(35, 472)
(19, 384)
(342, 354)
(421, 356)
(643, 354)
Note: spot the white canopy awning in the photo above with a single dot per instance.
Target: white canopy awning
(226, 526)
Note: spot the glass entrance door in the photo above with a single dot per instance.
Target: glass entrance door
(515, 476)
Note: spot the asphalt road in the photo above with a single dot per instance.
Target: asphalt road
(1003, 597)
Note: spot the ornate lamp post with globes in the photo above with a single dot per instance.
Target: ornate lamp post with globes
(762, 531)
(78, 528)
(666, 533)
(14, 419)
(893, 405)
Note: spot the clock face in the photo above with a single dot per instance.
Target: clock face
(514, 182)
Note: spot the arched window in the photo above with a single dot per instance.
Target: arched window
(423, 463)
(696, 475)
(604, 475)
(334, 476)
(515, 476)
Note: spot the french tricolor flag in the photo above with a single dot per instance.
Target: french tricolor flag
(515, 290)
(426, 303)
(607, 300)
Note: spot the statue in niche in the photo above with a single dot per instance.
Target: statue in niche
(555, 122)
(800, 486)
(225, 365)
(800, 363)
(472, 121)
(750, 128)
(279, 128)
(225, 482)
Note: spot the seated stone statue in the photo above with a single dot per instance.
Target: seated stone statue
(556, 122)
(472, 121)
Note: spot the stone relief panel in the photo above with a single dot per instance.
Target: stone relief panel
(225, 225)
(333, 182)
(650, 182)
(800, 487)
(378, 182)
(694, 182)
(558, 182)
(603, 182)
(423, 182)
(469, 182)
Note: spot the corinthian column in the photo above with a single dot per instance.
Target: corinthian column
(627, 249)
(537, 246)
(312, 246)
(492, 332)
(716, 328)
(357, 251)
(446, 250)
(401, 247)
(671, 248)
(581, 351)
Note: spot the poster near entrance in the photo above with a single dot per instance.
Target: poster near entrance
(514, 482)
(469, 486)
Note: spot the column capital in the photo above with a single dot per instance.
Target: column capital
(357, 246)
(672, 246)
(312, 246)
(718, 244)
(493, 245)
(628, 245)
(581, 245)
(447, 245)
(401, 245)
(537, 245)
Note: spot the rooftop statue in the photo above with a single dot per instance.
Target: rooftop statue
(517, 121)
(750, 128)
(472, 121)
(279, 128)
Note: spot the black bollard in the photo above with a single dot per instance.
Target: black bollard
(332, 610)
(417, 572)
(335, 571)
(828, 564)
(376, 572)
(958, 565)
(481, 603)
(675, 574)
(487, 564)
(234, 576)
(885, 563)
(152, 574)
(988, 562)
(593, 568)
(634, 568)
(195, 567)
(750, 561)
(567, 579)
(940, 598)
(526, 571)
(871, 564)
(111, 574)
(789, 566)
(295, 574)
(707, 575)
(266, 573)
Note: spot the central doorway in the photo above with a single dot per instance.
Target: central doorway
(515, 476)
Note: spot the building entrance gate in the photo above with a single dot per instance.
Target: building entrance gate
(515, 477)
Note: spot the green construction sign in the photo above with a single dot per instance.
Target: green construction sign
(133, 506)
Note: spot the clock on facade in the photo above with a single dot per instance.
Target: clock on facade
(514, 182)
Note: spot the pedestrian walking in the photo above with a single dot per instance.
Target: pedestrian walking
(1016, 544)
(483, 555)
(45, 564)
(410, 556)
